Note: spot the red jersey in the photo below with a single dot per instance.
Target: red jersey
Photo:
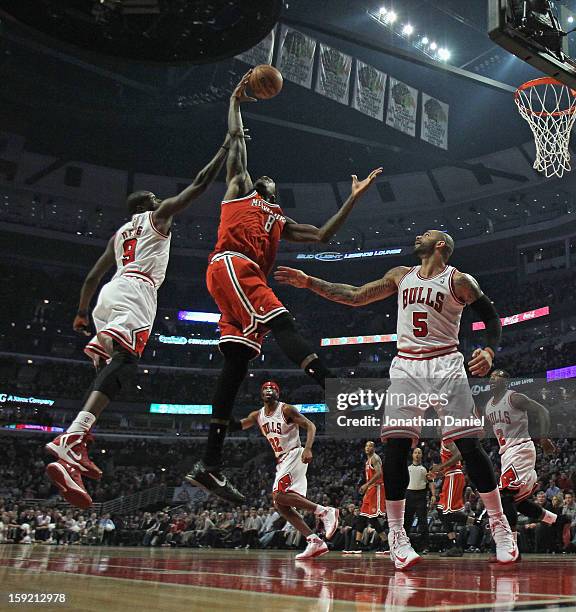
(446, 455)
(370, 471)
(252, 226)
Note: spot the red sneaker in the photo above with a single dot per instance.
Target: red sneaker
(67, 478)
(71, 448)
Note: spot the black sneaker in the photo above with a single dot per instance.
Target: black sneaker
(454, 551)
(215, 483)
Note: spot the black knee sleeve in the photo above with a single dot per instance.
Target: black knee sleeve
(478, 464)
(375, 524)
(360, 523)
(509, 508)
(119, 373)
(236, 359)
(530, 509)
(396, 475)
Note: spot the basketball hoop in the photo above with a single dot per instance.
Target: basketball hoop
(549, 107)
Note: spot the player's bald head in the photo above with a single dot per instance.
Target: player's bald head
(140, 201)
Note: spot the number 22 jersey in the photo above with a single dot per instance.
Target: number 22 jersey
(251, 226)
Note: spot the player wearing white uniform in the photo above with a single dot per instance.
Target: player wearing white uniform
(123, 318)
(431, 297)
(508, 412)
(280, 423)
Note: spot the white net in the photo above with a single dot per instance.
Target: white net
(549, 107)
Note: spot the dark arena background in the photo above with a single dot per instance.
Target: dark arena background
(103, 98)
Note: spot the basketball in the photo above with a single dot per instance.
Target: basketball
(266, 82)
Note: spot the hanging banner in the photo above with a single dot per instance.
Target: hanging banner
(333, 80)
(296, 56)
(402, 107)
(261, 53)
(434, 121)
(369, 89)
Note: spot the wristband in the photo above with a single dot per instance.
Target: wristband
(82, 313)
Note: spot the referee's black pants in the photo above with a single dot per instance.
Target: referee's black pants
(417, 505)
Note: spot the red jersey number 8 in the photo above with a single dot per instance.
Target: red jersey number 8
(128, 251)
(269, 223)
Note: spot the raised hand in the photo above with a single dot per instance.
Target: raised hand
(359, 187)
(291, 276)
(240, 92)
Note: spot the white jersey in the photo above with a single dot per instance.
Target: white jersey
(428, 315)
(141, 250)
(283, 436)
(510, 424)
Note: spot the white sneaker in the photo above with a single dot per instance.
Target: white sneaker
(506, 548)
(401, 551)
(316, 548)
(330, 521)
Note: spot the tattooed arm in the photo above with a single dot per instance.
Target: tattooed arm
(344, 294)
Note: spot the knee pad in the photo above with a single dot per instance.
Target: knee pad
(237, 353)
(119, 373)
(283, 322)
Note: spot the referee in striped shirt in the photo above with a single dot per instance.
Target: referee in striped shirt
(417, 497)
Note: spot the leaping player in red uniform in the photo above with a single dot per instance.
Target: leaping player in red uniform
(431, 297)
(251, 226)
(280, 423)
(123, 318)
(507, 412)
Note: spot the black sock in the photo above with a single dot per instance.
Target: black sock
(236, 357)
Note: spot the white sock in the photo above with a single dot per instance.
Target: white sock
(395, 512)
(515, 534)
(493, 503)
(82, 423)
(320, 509)
(549, 517)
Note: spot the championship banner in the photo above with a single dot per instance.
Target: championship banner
(333, 80)
(261, 53)
(369, 90)
(402, 107)
(434, 121)
(296, 56)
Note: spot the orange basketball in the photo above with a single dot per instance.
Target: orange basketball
(265, 82)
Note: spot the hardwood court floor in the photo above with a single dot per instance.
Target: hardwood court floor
(142, 579)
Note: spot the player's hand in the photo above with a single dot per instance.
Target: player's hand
(548, 446)
(81, 324)
(481, 362)
(359, 187)
(291, 276)
(435, 469)
(306, 455)
(240, 92)
(363, 488)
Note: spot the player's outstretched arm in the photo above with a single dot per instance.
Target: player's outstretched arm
(303, 232)
(344, 294)
(468, 291)
(250, 420)
(293, 416)
(540, 414)
(105, 262)
(172, 206)
(238, 180)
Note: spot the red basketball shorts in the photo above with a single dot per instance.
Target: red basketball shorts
(452, 495)
(243, 297)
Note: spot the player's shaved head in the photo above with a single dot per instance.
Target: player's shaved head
(140, 201)
(448, 247)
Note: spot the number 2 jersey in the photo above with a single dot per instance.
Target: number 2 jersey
(142, 250)
(428, 315)
(510, 424)
(251, 226)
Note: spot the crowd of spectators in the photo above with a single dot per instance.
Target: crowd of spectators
(29, 510)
